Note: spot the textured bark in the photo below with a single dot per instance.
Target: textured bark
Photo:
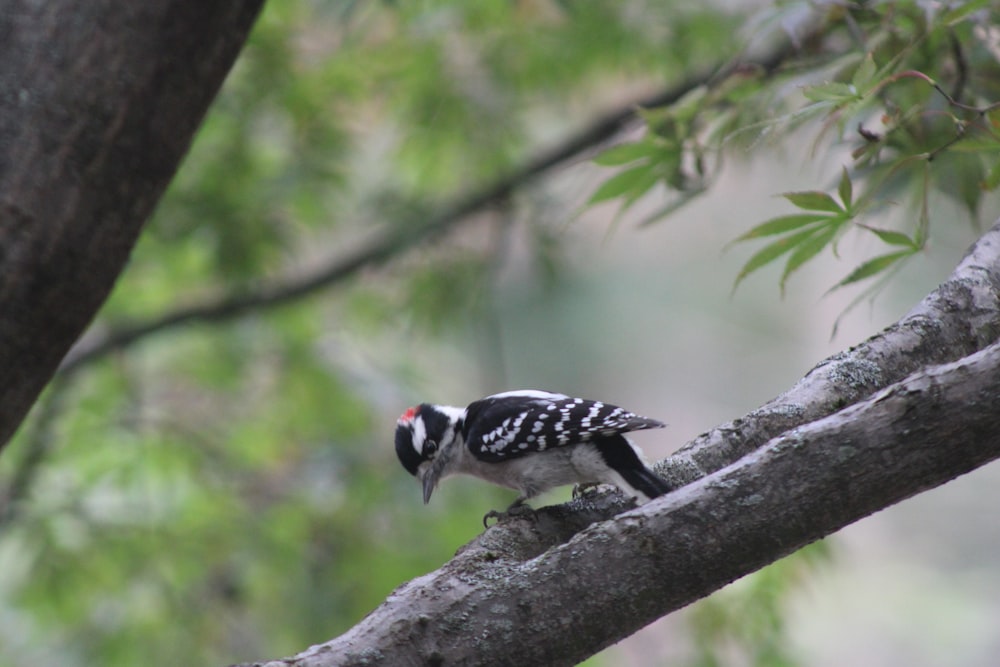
(98, 104)
(585, 575)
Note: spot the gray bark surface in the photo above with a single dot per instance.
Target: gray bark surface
(98, 104)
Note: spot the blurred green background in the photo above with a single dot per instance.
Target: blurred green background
(227, 490)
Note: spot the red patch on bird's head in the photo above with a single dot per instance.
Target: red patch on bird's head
(408, 416)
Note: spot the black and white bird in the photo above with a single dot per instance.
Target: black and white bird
(527, 440)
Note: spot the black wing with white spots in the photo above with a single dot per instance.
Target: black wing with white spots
(505, 426)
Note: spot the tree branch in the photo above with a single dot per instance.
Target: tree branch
(756, 489)
(396, 240)
(99, 102)
(495, 605)
(958, 318)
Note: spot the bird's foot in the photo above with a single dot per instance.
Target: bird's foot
(518, 510)
(585, 489)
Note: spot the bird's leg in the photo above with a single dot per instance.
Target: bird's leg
(518, 509)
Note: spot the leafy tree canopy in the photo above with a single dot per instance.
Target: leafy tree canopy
(217, 484)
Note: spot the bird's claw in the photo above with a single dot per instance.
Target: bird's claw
(515, 511)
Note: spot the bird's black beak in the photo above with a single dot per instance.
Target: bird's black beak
(430, 481)
(431, 475)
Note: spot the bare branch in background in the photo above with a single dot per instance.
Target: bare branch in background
(394, 240)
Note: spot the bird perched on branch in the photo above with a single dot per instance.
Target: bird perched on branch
(527, 440)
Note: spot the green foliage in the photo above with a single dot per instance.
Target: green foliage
(747, 622)
(920, 90)
(805, 235)
(228, 491)
(661, 158)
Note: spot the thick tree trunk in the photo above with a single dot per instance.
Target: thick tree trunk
(98, 104)
(924, 407)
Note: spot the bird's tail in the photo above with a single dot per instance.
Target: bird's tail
(646, 482)
(623, 457)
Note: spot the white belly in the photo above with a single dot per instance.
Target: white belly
(536, 473)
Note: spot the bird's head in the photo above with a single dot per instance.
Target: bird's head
(422, 433)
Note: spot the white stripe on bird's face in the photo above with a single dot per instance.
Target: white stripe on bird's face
(419, 434)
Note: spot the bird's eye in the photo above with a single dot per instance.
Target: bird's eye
(430, 447)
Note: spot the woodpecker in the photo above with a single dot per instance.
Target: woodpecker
(527, 440)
